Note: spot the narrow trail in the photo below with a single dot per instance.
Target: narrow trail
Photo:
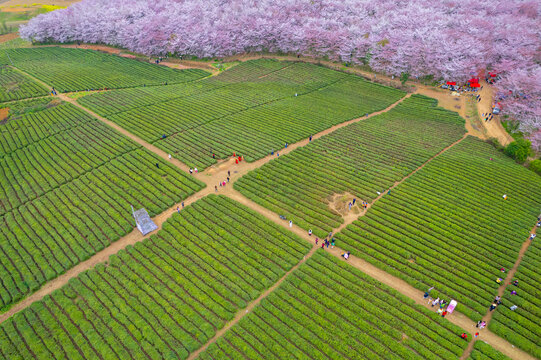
(494, 127)
(348, 219)
(501, 290)
(210, 177)
(382, 276)
(245, 311)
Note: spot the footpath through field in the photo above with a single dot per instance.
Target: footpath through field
(212, 176)
(217, 173)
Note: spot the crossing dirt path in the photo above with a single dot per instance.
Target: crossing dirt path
(219, 172)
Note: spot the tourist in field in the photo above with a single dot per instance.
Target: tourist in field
(157, 165)
(350, 205)
(514, 292)
(440, 311)
(444, 313)
(332, 243)
(476, 334)
(502, 269)
(310, 232)
(435, 302)
(178, 209)
(195, 170)
(317, 240)
(464, 336)
(483, 324)
(310, 139)
(323, 244)
(191, 171)
(169, 156)
(182, 204)
(290, 223)
(327, 242)
(499, 280)
(478, 323)
(493, 306)
(228, 179)
(346, 255)
(215, 188)
(504, 196)
(497, 298)
(330, 234)
(532, 236)
(515, 282)
(286, 145)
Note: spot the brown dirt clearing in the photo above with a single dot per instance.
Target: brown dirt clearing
(8, 37)
(4, 113)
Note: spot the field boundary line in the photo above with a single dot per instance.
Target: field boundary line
(393, 282)
(501, 290)
(245, 311)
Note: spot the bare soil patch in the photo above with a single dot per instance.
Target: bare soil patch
(8, 37)
(339, 203)
(4, 113)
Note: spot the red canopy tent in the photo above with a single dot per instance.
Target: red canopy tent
(473, 81)
(492, 74)
(475, 85)
(451, 83)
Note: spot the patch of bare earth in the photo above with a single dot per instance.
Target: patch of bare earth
(8, 37)
(339, 203)
(4, 113)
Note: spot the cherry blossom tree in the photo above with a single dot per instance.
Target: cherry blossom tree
(448, 39)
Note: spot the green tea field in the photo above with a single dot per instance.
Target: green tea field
(259, 208)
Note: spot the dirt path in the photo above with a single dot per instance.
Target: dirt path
(494, 127)
(501, 290)
(349, 219)
(211, 177)
(400, 285)
(243, 312)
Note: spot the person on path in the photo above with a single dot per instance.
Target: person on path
(157, 165)
(236, 161)
(346, 255)
(332, 243)
(442, 304)
(223, 183)
(435, 302)
(310, 232)
(228, 173)
(354, 201)
(182, 204)
(277, 153)
(532, 236)
(389, 192)
(444, 313)
(317, 240)
(483, 324)
(286, 145)
(215, 188)
(213, 156)
(476, 334)
(330, 234)
(350, 205)
(327, 243)
(497, 298)
(310, 138)
(290, 223)
(478, 323)
(493, 306)
(440, 311)
(178, 209)
(195, 170)
(220, 183)
(228, 179)
(323, 244)
(169, 156)
(191, 171)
